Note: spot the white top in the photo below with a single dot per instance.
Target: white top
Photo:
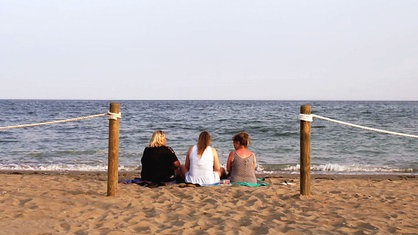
(201, 169)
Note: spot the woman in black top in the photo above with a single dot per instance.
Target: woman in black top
(159, 161)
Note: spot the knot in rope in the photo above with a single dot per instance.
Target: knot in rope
(306, 117)
(114, 116)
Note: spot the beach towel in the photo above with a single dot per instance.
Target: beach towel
(260, 182)
(149, 184)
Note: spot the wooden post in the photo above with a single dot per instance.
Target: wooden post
(305, 152)
(113, 158)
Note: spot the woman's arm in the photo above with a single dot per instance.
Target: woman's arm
(177, 164)
(229, 162)
(187, 162)
(178, 169)
(255, 162)
(216, 164)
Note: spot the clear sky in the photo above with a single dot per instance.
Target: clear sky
(209, 49)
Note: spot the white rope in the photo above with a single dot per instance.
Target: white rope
(114, 116)
(306, 117)
(54, 122)
(361, 127)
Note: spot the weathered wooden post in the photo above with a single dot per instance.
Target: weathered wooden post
(305, 151)
(113, 158)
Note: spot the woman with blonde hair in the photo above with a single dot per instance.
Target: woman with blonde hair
(242, 162)
(202, 162)
(159, 161)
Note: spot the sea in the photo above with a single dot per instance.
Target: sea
(273, 125)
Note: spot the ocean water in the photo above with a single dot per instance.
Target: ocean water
(273, 125)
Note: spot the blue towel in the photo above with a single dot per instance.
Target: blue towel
(260, 182)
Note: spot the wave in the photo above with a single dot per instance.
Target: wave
(352, 169)
(9, 141)
(269, 169)
(62, 167)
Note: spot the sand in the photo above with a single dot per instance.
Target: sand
(76, 203)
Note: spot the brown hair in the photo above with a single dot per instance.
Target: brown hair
(243, 138)
(203, 142)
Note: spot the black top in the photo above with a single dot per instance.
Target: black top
(158, 163)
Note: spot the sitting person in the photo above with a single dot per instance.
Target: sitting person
(159, 161)
(202, 164)
(242, 163)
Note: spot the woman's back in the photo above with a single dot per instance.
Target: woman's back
(158, 163)
(201, 168)
(243, 169)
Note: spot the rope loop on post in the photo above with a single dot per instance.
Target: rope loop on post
(114, 116)
(306, 117)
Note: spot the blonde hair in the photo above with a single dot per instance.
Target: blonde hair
(158, 139)
(203, 142)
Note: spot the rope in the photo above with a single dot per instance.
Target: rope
(111, 116)
(306, 117)
(114, 116)
(303, 118)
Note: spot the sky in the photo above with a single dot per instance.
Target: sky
(217, 49)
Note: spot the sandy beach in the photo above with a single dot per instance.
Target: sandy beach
(76, 203)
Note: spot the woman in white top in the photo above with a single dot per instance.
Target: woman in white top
(202, 162)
